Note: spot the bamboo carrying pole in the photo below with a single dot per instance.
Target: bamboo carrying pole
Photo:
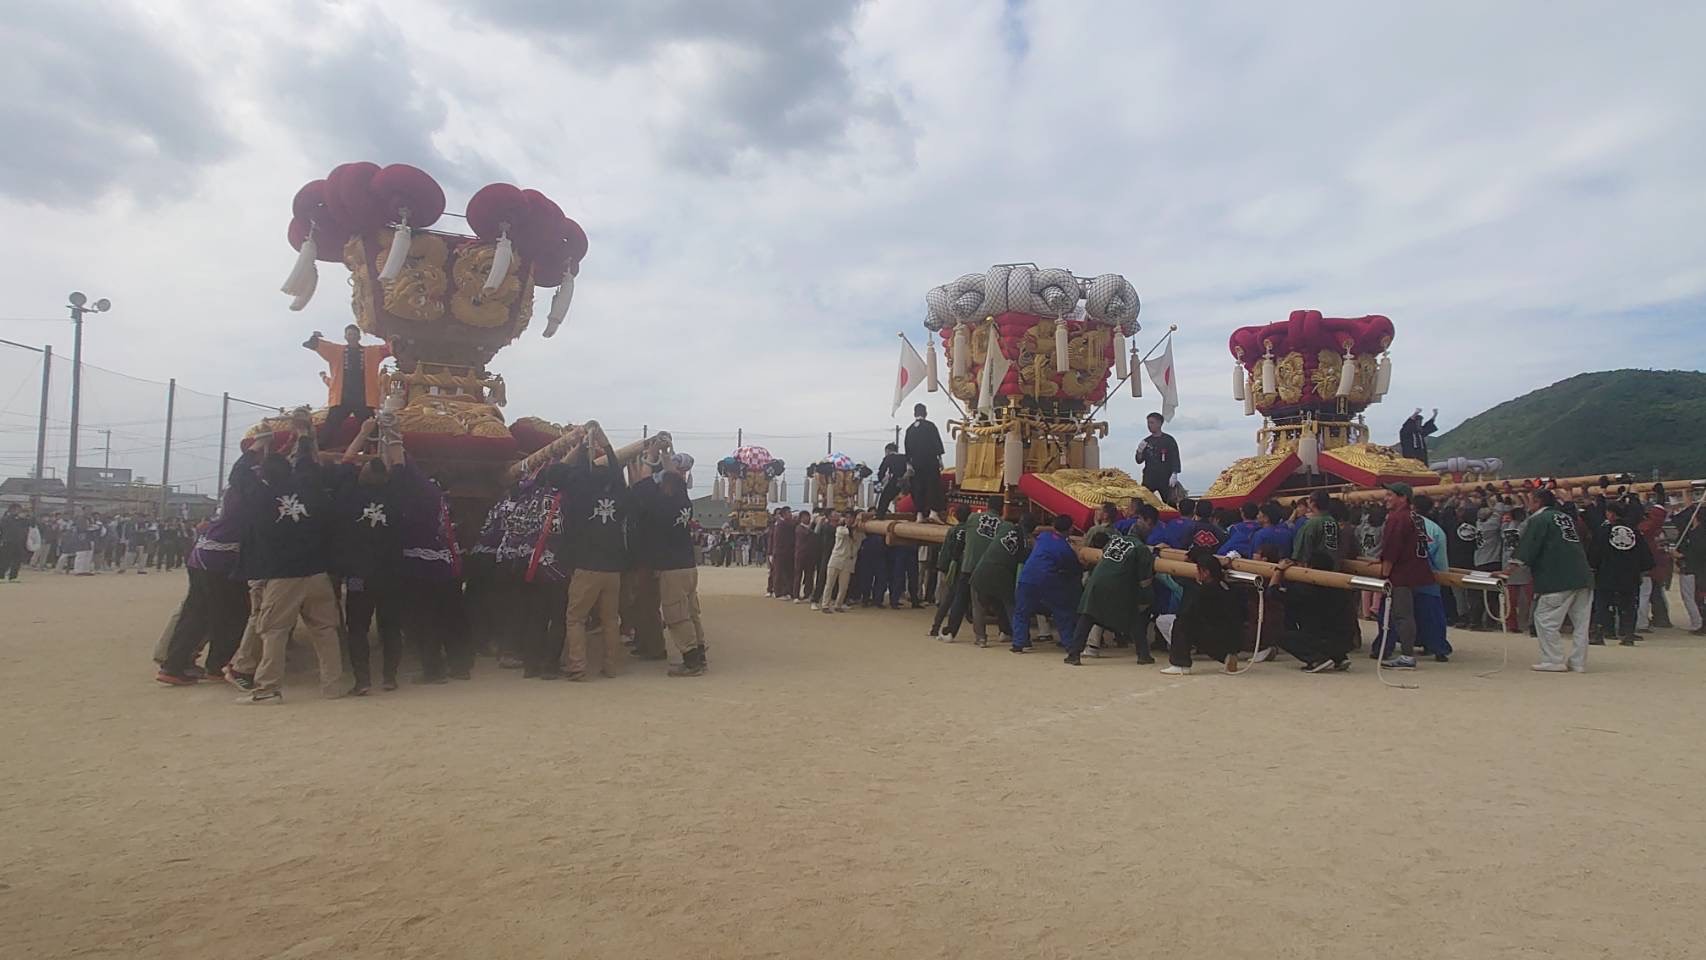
(907, 531)
(1455, 577)
(565, 445)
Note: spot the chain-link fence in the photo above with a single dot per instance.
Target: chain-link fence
(124, 423)
(139, 442)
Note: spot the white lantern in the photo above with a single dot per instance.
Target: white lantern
(1092, 453)
(1062, 362)
(962, 350)
(1347, 375)
(930, 383)
(1136, 375)
(1237, 380)
(1249, 404)
(1122, 369)
(1270, 374)
(1013, 456)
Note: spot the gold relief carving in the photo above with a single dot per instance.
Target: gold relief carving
(1326, 378)
(1367, 368)
(1381, 460)
(1291, 377)
(451, 416)
(418, 291)
(1243, 477)
(361, 286)
(471, 304)
(1096, 487)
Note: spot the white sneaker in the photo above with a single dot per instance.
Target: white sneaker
(1264, 655)
(1173, 671)
(815, 607)
(1575, 668)
(1093, 651)
(1550, 668)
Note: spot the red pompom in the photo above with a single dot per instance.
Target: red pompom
(400, 186)
(541, 228)
(298, 231)
(350, 197)
(310, 201)
(576, 238)
(493, 206)
(552, 265)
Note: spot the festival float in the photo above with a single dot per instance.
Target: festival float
(1031, 352)
(837, 482)
(750, 479)
(446, 302)
(1310, 378)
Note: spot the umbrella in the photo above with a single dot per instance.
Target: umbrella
(754, 457)
(841, 461)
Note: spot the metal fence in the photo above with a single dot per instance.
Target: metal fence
(137, 440)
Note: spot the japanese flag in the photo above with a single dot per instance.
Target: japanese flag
(910, 374)
(1163, 375)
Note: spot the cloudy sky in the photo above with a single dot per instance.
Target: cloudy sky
(770, 188)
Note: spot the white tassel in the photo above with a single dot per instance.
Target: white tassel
(1308, 450)
(1062, 362)
(1136, 374)
(1013, 456)
(1347, 375)
(1092, 454)
(930, 383)
(1121, 368)
(1237, 380)
(307, 292)
(1383, 376)
(500, 263)
(560, 304)
(1250, 403)
(1270, 375)
(962, 350)
(302, 270)
(962, 449)
(399, 253)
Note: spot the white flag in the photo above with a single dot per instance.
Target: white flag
(993, 374)
(910, 375)
(1161, 373)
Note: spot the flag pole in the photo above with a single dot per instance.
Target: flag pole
(1133, 371)
(948, 393)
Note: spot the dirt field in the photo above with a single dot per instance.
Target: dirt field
(843, 787)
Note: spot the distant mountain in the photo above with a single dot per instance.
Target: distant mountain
(1634, 421)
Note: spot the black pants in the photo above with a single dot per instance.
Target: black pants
(641, 611)
(1617, 610)
(1137, 633)
(953, 603)
(927, 487)
(434, 621)
(214, 611)
(891, 489)
(335, 417)
(383, 600)
(542, 606)
(11, 558)
(931, 576)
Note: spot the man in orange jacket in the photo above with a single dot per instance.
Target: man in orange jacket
(354, 380)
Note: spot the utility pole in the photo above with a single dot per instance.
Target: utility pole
(41, 417)
(740, 440)
(829, 445)
(166, 456)
(75, 303)
(224, 423)
(897, 434)
(107, 451)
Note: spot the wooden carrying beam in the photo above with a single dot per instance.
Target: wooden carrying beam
(906, 531)
(1455, 577)
(565, 445)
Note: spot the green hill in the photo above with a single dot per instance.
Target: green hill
(1634, 421)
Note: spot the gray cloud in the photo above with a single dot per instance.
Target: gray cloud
(362, 99)
(94, 101)
(778, 82)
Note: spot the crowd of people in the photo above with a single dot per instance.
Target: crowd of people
(729, 547)
(328, 553)
(89, 542)
(1597, 566)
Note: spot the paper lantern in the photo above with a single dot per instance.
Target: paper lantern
(1013, 456)
(1062, 361)
(1122, 369)
(1136, 375)
(962, 350)
(1237, 380)
(930, 384)
(1270, 374)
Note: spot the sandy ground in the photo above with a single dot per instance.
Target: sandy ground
(843, 787)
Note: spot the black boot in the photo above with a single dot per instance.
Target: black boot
(692, 664)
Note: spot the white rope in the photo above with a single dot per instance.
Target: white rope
(1261, 613)
(1504, 624)
(1384, 633)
